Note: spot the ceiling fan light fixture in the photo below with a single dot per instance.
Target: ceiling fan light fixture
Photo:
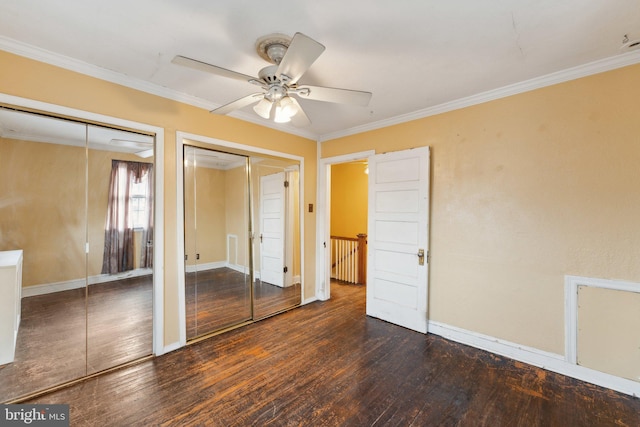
(288, 107)
(281, 115)
(263, 108)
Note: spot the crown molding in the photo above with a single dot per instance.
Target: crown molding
(42, 55)
(38, 54)
(596, 67)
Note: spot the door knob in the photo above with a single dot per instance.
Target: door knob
(420, 256)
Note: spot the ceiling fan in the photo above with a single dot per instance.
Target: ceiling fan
(291, 57)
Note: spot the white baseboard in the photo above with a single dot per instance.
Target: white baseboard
(532, 356)
(240, 269)
(205, 266)
(48, 288)
(171, 347)
(310, 300)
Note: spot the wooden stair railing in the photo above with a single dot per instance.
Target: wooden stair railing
(349, 259)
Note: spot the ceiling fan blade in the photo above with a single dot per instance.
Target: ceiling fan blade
(238, 103)
(213, 69)
(301, 53)
(339, 96)
(299, 119)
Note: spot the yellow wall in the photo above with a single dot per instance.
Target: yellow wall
(349, 196)
(212, 213)
(30, 79)
(205, 215)
(237, 221)
(524, 190)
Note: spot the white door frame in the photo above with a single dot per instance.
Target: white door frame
(323, 220)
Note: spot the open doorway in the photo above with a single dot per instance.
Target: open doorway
(342, 216)
(348, 222)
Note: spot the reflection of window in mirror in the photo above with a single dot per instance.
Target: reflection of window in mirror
(128, 210)
(139, 203)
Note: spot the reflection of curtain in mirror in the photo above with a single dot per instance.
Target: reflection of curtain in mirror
(119, 226)
(146, 258)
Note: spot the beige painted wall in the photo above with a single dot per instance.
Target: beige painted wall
(607, 336)
(42, 186)
(524, 190)
(349, 196)
(30, 79)
(205, 216)
(212, 215)
(237, 221)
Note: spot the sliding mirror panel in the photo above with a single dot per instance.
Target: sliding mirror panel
(216, 217)
(120, 235)
(276, 248)
(43, 187)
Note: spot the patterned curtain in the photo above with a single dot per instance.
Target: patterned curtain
(118, 234)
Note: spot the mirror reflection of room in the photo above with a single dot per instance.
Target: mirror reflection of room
(217, 277)
(76, 244)
(242, 227)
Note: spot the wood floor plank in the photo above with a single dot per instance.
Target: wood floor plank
(327, 364)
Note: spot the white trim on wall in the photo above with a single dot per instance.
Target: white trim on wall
(48, 57)
(75, 65)
(571, 284)
(533, 356)
(158, 238)
(595, 67)
(205, 266)
(48, 288)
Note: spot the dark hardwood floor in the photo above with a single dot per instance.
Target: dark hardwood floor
(327, 364)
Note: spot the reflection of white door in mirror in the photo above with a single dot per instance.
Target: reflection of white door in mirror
(272, 226)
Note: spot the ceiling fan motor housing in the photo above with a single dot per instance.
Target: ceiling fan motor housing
(268, 74)
(273, 47)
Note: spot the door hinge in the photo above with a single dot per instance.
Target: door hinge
(286, 269)
(286, 184)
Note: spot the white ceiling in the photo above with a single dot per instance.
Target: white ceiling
(413, 55)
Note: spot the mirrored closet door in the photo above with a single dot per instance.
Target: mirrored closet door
(216, 212)
(242, 238)
(83, 302)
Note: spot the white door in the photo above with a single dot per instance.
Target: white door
(272, 215)
(397, 265)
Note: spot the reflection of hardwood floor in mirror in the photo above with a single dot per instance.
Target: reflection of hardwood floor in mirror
(51, 346)
(222, 298)
(270, 299)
